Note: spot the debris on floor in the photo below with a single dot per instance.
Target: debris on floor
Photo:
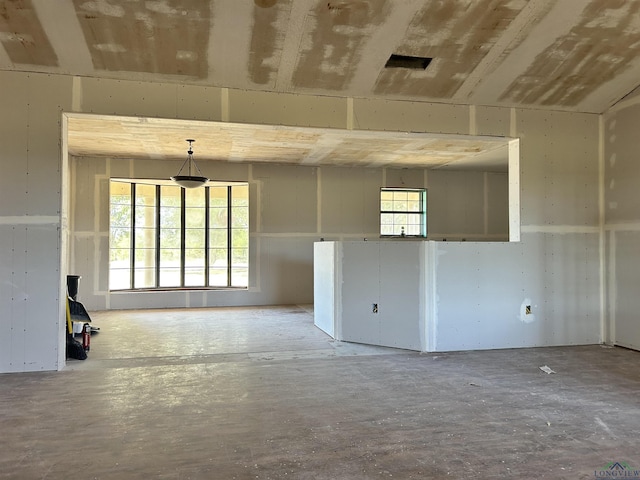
(546, 369)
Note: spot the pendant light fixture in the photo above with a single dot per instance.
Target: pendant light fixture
(190, 181)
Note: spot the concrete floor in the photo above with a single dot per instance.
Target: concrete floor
(246, 393)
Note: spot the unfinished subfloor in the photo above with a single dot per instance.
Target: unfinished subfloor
(246, 393)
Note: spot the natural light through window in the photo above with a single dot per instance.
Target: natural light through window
(164, 236)
(403, 212)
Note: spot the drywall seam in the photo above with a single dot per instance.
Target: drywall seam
(349, 113)
(623, 227)
(256, 235)
(513, 125)
(358, 236)
(64, 241)
(337, 294)
(30, 220)
(467, 236)
(613, 287)
(514, 185)
(96, 230)
(432, 323)
(473, 127)
(485, 180)
(423, 299)
(601, 239)
(318, 200)
(224, 104)
(559, 229)
(76, 94)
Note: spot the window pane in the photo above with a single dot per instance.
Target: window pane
(240, 257)
(218, 276)
(239, 238)
(170, 238)
(145, 195)
(399, 218)
(194, 238)
(386, 219)
(120, 215)
(218, 217)
(194, 197)
(170, 217)
(170, 196)
(119, 278)
(145, 238)
(170, 277)
(240, 195)
(413, 206)
(120, 192)
(239, 277)
(217, 238)
(218, 197)
(144, 278)
(386, 230)
(120, 237)
(194, 257)
(240, 217)
(194, 277)
(218, 257)
(145, 216)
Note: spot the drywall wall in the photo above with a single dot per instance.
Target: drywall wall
(446, 296)
(559, 178)
(621, 205)
(325, 294)
(371, 292)
(482, 291)
(291, 207)
(31, 311)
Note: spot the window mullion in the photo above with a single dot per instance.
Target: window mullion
(183, 235)
(158, 199)
(132, 259)
(229, 236)
(206, 236)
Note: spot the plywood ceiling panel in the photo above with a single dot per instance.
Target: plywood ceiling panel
(160, 139)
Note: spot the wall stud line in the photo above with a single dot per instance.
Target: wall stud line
(473, 127)
(76, 94)
(612, 287)
(349, 113)
(486, 202)
(224, 104)
(601, 236)
(319, 200)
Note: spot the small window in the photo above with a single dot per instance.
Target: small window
(403, 212)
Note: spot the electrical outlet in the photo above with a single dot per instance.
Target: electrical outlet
(374, 308)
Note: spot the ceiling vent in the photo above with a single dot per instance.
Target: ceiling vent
(406, 61)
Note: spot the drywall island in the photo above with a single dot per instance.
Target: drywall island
(444, 296)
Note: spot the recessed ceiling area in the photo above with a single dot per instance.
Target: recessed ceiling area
(158, 139)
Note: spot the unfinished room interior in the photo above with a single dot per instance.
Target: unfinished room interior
(409, 246)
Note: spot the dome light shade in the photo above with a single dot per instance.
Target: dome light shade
(190, 181)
